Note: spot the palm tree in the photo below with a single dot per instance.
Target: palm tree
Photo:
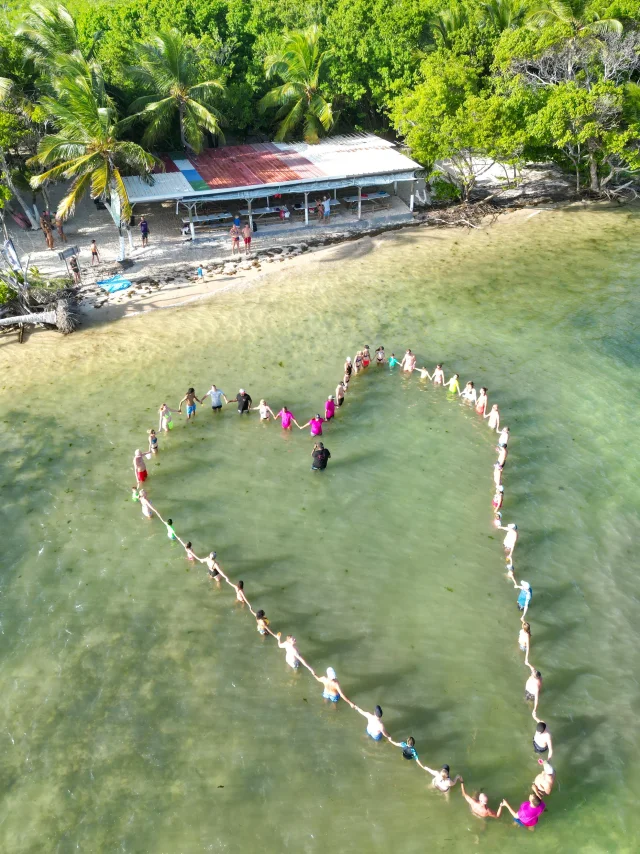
(448, 21)
(169, 67)
(504, 14)
(300, 63)
(48, 31)
(86, 149)
(575, 16)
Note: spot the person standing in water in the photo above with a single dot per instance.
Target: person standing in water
(366, 356)
(438, 375)
(190, 399)
(262, 623)
(503, 438)
(532, 689)
(329, 408)
(393, 361)
(320, 456)
(287, 418)
(453, 385)
(497, 474)
(480, 805)
(348, 366)
(331, 687)
(380, 357)
(441, 779)
(315, 424)
(213, 566)
(375, 727)
(340, 392)
(502, 456)
(166, 422)
(481, 402)
(139, 466)
(524, 641)
(469, 393)
(145, 505)
(542, 740)
(498, 498)
(244, 402)
(494, 418)
(216, 396)
(543, 783)
(292, 656)
(529, 812)
(511, 538)
(153, 442)
(424, 373)
(357, 362)
(408, 748)
(408, 363)
(266, 412)
(524, 597)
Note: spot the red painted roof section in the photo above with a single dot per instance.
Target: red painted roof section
(169, 165)
(249, 165)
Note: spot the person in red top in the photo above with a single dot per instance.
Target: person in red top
(529, 812)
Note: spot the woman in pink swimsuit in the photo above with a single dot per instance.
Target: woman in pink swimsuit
(287, 418)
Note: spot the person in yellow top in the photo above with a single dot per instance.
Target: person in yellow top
(453, 385)
(262, 624)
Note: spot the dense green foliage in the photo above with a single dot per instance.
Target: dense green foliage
(506, 80)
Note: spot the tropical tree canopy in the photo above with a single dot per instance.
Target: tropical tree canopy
(575, 16)
(49, 30)
(85, 147)
(300, 64)
(169, 68)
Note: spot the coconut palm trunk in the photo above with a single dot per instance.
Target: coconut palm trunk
(6, 174)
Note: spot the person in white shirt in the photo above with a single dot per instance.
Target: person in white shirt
(217, 396)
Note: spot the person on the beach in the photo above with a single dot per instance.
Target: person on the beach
(75, 269)
(497, 474)
(511, 537)
(453, 385)
(393, 361)
(408, 748)
(139, 466)
(145, 505)
(366, 356)
(320, 456)
(438, 375)
(216, 396)
(529, 812)
(524, 640)
(329, 408)
(326, 209)
(503, 438)
(60, 229)
(331, 686)
(246, 233)
(348, 366)
(543, 783)
(166, 422)
(315, 424)
(408, 362)
(375, 727)
(171, 534)
(144, 231)
(502, 455)
(234, 231)
(468, 393)
(480, 805)
(542, 740)
(532, 689)
(494, 418)
(213, 566)
(244, 401)
(340, 391)
(496, 501)
(262, 623)
(266, 412)
(441, 779)
(291, 656)
(481, 402)
(153, 442)
(237, 221)
(287, 418)
(380, 357)
(190, 399)
(189, 552)
(95, 258)
(357, 362)
(524, 597)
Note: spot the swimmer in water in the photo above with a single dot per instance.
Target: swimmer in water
(329, 408)
(532, 689)
(543, 784)
(380, 357)
(502, 456)
(542, 740)
(375, 727)
(139, 466)
(153, 441)
(469, 393)
(424, 373)
(190, 399)
(170, 531)
(511, 538)
(366, 356)
(166, 422)
(496, 501)
(190, 555)
(214, 567)
(438, 375)
(286, 418)
(292, 656)
(262, 623)
(408, 748)
(331, 687)
(524, 641)
(265, 410)
(408, 362)
(315, 424)
(480, 805)
(441, 779)
(453, 385)
(497, 474)
(494, 418)
(481, 402)
(393, 361)
(503, 438)
(145, 505)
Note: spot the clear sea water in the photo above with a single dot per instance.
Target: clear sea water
(142, 712)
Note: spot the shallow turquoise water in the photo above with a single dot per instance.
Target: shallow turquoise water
(142, 712)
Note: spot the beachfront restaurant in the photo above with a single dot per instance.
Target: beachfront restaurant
(282, 183)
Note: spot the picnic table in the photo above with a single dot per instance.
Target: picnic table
(259, 213)
(204, 218)
(376, 199)
(313, 205)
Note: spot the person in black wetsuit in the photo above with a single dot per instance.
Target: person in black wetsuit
(320, 457)
(243, 400)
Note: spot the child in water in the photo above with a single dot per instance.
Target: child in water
(239, 588)
(393, 361)
(153, 441)
(134, 494)
(262, 623)
(424, 373)
(170, 532)
(438, 375)
(453, 385)
(190, 555)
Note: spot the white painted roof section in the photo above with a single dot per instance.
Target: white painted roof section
(353, 154)
(166, 185)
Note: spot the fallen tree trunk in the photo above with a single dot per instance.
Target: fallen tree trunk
(39, 317)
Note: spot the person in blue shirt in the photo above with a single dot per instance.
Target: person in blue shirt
(524, 597)
(408, 748)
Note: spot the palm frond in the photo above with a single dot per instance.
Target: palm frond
(77, 190)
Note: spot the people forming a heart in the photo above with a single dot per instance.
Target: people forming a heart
(529, 811)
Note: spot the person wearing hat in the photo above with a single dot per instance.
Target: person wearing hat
(543, 784)
(525, 595)
(243, 400)
(348, 366)
(441, 779)
(480, 805)
(315, 424)
(329, 408)
(511, 538)
(331, 687)
(542, 739)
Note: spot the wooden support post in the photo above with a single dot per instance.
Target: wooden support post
(411, 197)
(191, 225)
(250, 214)
(359, 202)
(395, 188)
(306, 208)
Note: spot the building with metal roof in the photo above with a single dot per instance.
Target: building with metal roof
(264, 170)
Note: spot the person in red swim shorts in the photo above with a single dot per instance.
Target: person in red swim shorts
(246, 233)
(139, 466)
